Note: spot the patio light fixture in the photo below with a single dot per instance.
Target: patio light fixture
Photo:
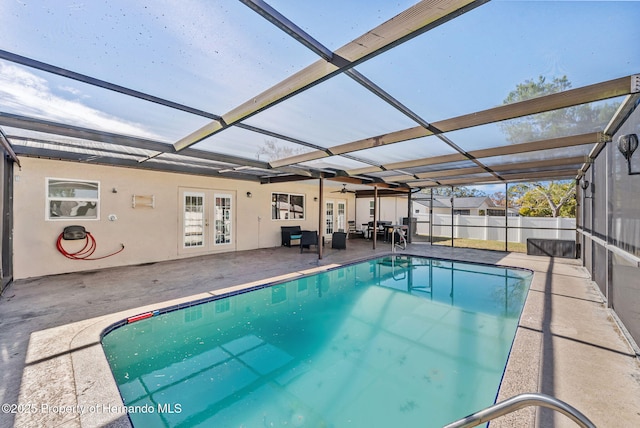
(249, 195)
(627, 144)
(584, 184)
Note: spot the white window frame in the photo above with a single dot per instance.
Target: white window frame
(61, 199)
(288, 215)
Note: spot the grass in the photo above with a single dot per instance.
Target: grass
(475, 243)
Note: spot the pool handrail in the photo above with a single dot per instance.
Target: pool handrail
(518, 402)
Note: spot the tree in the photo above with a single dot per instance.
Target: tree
(499, 199)
(271, 150)
(549, 199)
(556, 123)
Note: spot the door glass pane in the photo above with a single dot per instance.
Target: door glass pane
(222, 219)
(340, 220)
(193, 234)
(329, 219)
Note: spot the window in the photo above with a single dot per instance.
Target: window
(285, 206)
(372, 208)
(462, 212)
(72, 199)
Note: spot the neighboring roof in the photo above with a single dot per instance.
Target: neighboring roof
(389, 94)
(458, 203)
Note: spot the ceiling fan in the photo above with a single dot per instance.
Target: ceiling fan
(344, 190)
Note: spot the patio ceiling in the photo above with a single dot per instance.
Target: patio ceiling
(363, 113)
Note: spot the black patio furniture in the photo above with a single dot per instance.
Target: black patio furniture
(339, 240)
(308, 238)
(290, 233)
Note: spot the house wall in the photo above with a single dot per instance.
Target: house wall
(389, 209)
(148, 234)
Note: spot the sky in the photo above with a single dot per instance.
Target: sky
(215, 55)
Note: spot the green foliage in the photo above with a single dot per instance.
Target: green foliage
(550, 198)
(546, 199)
(556, 123)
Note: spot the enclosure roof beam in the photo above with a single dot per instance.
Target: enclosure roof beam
(59, 71)
(627, 107)
(554, 143)
(475, 181)
(412, 22)
(574, 160)
(300, 35)
(40, 125)
(130, 162)
(6, 145)
(572, 97)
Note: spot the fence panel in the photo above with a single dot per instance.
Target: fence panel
(491, 228)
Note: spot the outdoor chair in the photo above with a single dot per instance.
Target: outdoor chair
(352, 230)
(339, 240)
(308, 238)
(289, 233)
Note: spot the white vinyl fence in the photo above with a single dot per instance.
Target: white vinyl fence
(491, 228)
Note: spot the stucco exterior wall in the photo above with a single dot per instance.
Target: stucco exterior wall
(148, 234)
(390, 209)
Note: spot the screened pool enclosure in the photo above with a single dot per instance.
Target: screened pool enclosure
(385, 97)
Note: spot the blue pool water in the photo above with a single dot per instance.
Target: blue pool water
(393, 342)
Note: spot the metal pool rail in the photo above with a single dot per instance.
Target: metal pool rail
(518, 402)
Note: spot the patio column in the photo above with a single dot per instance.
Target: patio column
(375, 216)
(320, 212)
(452, 228)
(579, 221)
(431, 217)
(409, 216)
(506, 216)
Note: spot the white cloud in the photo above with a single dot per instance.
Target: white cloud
(24, 93)
(72, 91)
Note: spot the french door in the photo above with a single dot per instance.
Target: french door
(335, 214)
(208, 220)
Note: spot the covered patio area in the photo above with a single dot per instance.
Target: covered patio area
(566, 345)
(184, 136)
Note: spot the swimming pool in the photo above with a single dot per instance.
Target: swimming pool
(394, 341)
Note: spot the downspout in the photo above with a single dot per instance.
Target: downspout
(6, 145)
(320, 209)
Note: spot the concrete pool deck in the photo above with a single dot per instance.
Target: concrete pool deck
(54, 372)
